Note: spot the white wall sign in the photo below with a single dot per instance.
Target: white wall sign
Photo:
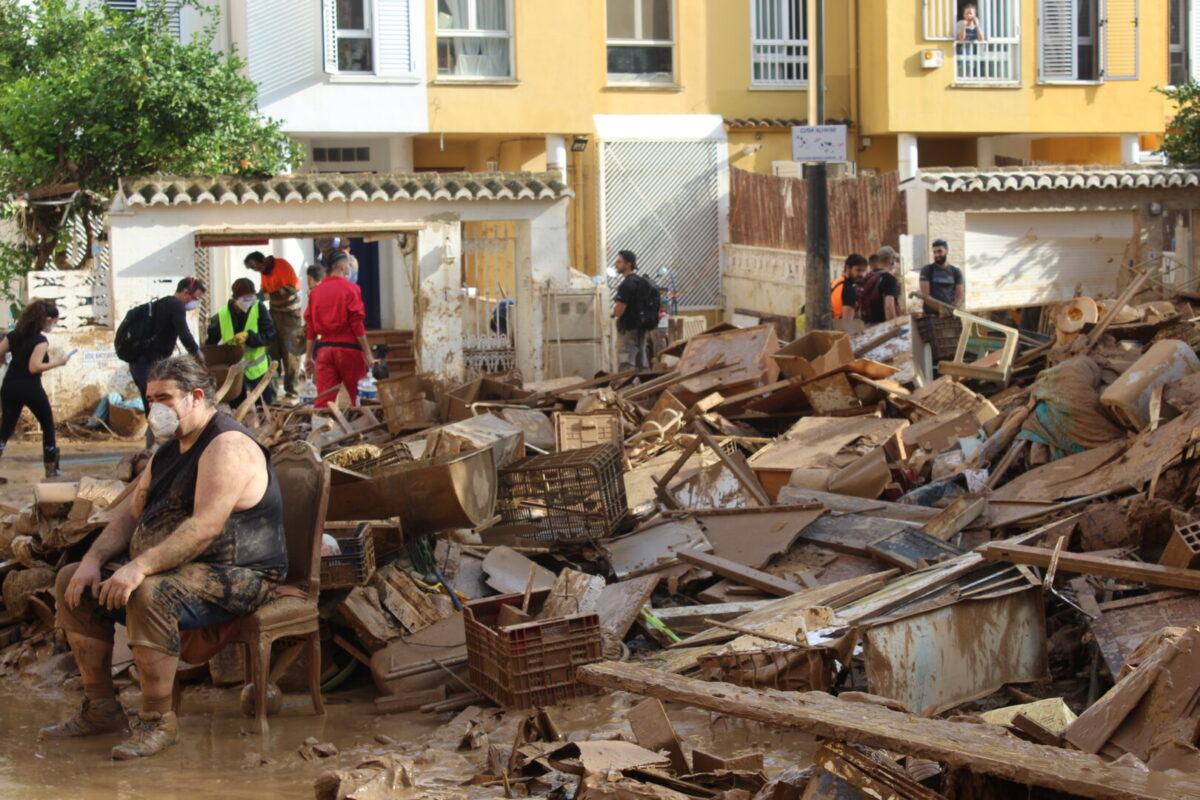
(819, 143)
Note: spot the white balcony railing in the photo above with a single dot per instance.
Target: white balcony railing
(987, 62)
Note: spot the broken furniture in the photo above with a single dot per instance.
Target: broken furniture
(576, 430)
(1128, 398)
(814, 354)
(528, 664)
(996, 366)
(223, 362)
(304, 484)
(572, 497)
(454, 491)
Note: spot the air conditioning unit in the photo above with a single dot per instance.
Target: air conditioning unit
(787, 169)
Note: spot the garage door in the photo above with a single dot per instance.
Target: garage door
(1023, 259)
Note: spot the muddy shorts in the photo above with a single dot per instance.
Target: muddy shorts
(190, 597)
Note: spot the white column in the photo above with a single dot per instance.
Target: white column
(906, 155)
(440, 328)
(985, 152)
(1131, 148)
(556, 154)
(400, 154)
(542, 262)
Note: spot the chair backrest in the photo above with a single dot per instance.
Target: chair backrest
(304, 484)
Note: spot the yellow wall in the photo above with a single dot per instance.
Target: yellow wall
(560, 72)
(1076, 150)
(899, 95)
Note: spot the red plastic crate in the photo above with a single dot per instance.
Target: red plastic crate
(531, 664)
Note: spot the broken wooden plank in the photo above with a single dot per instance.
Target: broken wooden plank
(685, 615)
(573, 592)
(911, 549)
(980, 748)
(1122, 569)
(735, 463)
(621, 603)
(654, 731)
(751, 577)
(954, 517)
(851, 505)
(362, 611)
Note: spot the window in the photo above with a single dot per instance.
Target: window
(1178, 63)
(990, 50)
(354, 46)
(1087, 40)
(641, 45)
(1067, 40)
(322, 155)
(172, 8)
(474, 39)
(368, 37)
(779, 49)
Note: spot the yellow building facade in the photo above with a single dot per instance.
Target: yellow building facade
(531, 84)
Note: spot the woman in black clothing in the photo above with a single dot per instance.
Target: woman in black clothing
(22, 386)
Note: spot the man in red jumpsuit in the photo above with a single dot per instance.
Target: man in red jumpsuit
(334, 325)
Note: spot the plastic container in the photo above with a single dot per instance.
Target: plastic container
(531, 664)
(355, 565)
(308, 391)
(367, 389)
(1127, 399)
(570, 497)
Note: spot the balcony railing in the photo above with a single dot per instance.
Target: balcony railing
(987, 62)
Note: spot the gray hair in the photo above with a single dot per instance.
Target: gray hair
(188, 375)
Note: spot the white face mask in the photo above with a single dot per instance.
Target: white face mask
(244, 303)
(163, 421)
(191, 305)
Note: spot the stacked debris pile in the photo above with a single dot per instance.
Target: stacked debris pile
(965, 584)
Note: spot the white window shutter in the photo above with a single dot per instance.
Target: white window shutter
(941, 20)
(329, 34)
(1119, 33)
(282, 41)
(393, 29)
(123, 5)
(1057, 54)
(1193, 40)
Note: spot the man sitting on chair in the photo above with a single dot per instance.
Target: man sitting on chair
(199, 543)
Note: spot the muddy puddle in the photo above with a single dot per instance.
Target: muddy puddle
(220, 758)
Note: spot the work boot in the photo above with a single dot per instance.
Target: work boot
(152, 734)
(50, 459)
(96, 716)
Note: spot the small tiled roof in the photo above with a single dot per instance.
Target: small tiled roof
(1003, 179)
(764, 122)
(331, 187)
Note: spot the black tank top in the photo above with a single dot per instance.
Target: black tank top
(22, 350)
(252, 538)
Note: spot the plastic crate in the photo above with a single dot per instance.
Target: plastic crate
(569, 497)
(531, 664)
(356, 563)
(941, 334)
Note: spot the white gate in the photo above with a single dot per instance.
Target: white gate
(661, 199)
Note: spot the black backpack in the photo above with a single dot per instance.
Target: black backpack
(650, 305)
(135, 332)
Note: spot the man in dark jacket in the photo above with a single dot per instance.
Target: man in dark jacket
(627, 311)
(246, 321)
(169, 327)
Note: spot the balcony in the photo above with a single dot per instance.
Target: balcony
(990, 63)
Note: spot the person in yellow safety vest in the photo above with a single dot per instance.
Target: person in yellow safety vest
(246, 321)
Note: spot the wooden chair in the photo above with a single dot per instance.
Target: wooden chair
(304, 483)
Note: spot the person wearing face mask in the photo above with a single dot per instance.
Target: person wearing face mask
(169, 328)
(199, 544)
(245, 321)
(22, 386)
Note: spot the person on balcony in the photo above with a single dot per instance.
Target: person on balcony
(969, 30)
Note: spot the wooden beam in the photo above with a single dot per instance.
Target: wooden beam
(954, 517)
(682, 615)
(979, 748)
(1085, 564)
(742, 574)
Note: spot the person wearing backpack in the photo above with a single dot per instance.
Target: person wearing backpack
(878, 295)
(150, 332)
(632, 311)
(245, 321)
(22, 386)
